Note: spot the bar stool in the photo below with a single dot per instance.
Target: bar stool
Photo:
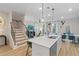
(72, 38)
(29, 46)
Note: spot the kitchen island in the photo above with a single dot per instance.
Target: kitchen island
(45, 46)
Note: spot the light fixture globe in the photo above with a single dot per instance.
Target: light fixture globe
(1, 22)
(42, 20)
(53, 9)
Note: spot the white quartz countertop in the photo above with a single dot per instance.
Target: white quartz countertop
(44, 41)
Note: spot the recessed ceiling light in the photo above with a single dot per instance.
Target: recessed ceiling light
(70, 9)
(42, 20)
(48, 14)
(62, 17)
(40, 8)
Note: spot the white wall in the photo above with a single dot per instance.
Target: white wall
(17, 16)
(30, 20)
(6, 18)
(74, 25)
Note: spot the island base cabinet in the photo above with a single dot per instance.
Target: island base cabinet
(38, 50)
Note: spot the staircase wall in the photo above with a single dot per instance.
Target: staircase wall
(6, 29)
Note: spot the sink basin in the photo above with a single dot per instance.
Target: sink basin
(53, 37)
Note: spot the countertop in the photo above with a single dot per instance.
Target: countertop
(44, 41)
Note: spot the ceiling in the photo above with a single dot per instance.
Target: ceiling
(32, 10)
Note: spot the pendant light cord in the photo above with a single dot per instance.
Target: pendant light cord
(42, 10)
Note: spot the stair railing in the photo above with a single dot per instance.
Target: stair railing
(13, 33)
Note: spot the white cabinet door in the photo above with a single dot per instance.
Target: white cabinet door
(53, 50)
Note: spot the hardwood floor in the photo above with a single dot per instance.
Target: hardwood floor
(7, 51)
(68, 49)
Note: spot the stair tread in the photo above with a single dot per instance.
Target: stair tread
(20, 35)
(20, 38)
(19, 31)
(21, 42)
(21, 45)
(17, 40)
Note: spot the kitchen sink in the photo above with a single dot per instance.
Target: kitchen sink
(53, 37)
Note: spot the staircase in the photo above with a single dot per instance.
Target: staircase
(20, 39)
(18, 34)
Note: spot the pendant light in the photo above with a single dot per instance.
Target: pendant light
(52, 13)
